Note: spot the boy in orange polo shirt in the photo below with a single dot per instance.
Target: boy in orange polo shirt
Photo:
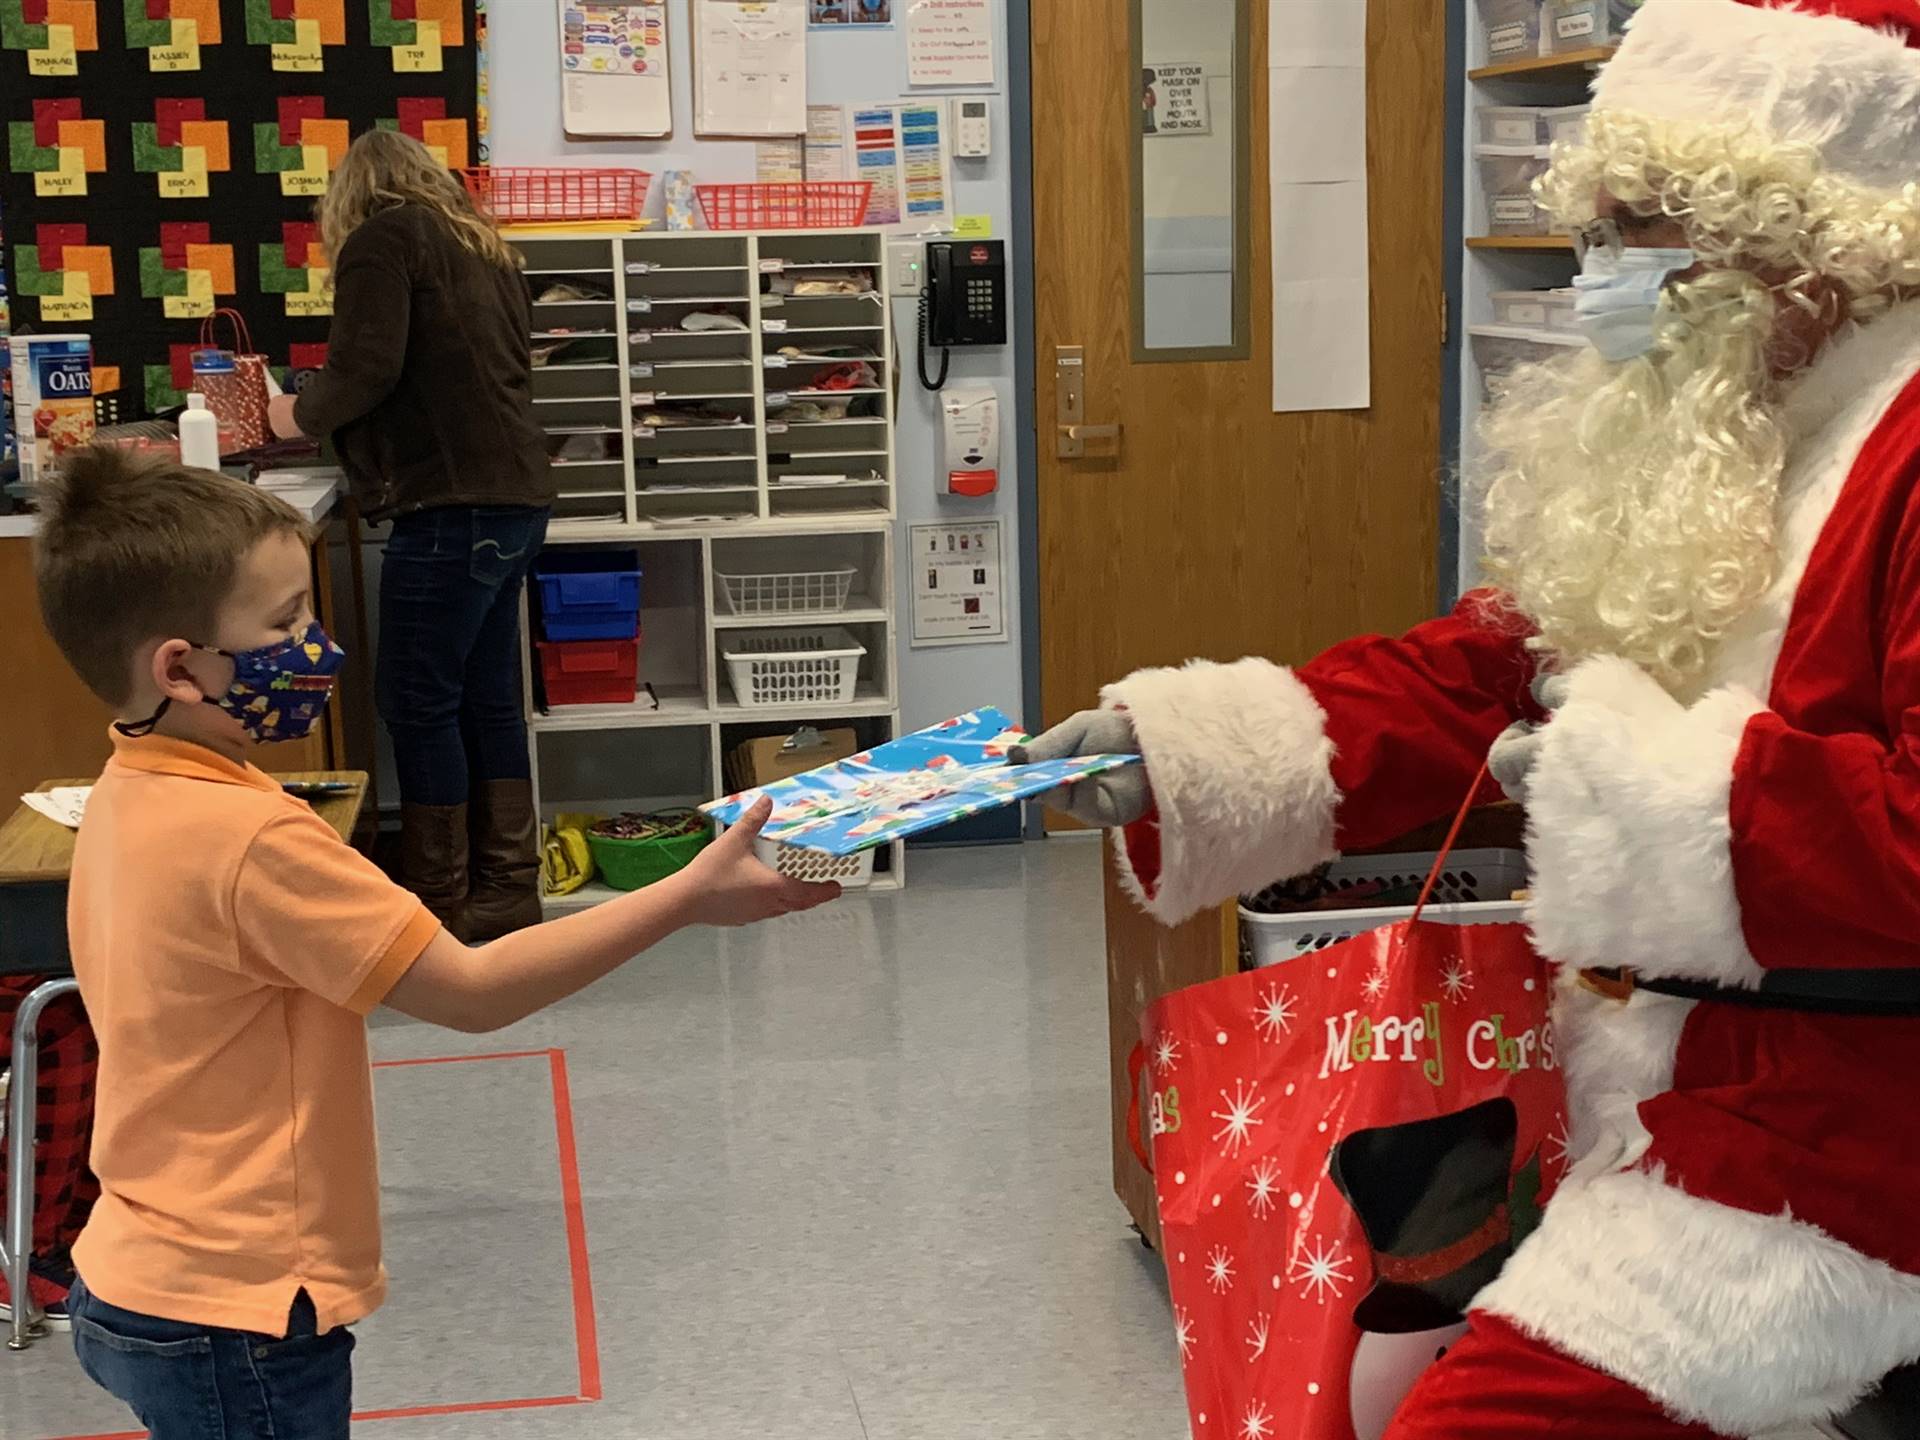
(229, 947)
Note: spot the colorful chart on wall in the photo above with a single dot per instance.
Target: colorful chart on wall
(163, 159)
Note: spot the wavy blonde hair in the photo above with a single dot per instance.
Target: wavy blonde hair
(385, 168)
(1631, 508)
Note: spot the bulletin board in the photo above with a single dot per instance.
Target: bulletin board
(163, 158)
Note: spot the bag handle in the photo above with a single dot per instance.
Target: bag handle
(1136, 1062)
(242, 337)
(1453, 835)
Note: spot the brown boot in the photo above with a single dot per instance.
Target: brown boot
(506, 860)
(433, 861)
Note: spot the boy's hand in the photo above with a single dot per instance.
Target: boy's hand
(731, 887)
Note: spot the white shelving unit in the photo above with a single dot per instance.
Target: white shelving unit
(702, 432)
(1496, 263)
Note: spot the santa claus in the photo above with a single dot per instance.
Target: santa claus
(1705, 533)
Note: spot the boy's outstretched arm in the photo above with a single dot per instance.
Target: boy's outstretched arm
(487, 987)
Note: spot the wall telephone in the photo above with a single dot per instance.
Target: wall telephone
(964, 302)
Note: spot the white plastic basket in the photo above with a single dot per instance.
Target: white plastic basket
(793, 667)
(1476, 887)
(788, 592)
(854, 872)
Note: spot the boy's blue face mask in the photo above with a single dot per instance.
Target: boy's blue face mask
(279, 691)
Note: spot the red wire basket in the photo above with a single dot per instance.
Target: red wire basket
(523, 194)
(786, 205)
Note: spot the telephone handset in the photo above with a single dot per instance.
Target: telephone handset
(964, 302)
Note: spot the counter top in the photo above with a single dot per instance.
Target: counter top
(311, 490)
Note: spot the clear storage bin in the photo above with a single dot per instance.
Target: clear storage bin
(1583, 24)
(1512, 125)
(1565, 123)
(1498, 350)
(1534, 309)
(793, 667)
(1512, 28)
(1507, 173)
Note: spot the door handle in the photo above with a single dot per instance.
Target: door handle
(1071, 433)
(1073, 439)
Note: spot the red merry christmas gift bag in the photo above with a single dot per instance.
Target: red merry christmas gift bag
(1347, 1147)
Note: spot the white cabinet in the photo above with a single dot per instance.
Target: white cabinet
(723, 405)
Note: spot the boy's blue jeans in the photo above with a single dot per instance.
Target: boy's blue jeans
(195, 1382)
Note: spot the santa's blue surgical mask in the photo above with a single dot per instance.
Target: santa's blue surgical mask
(1619, 295)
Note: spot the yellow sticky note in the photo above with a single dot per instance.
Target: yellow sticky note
(69, 179)
(59, 58)
(304, 53)
(183, 53)
(190, 181)
(308, 302)
(311, 177)
(74, 302)
(973, 227)
(424, 54)
(198, 300)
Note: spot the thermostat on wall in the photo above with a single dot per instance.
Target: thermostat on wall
(972, 130)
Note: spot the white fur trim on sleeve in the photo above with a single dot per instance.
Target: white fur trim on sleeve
(1744, 1322)
(1629, 835)
(1242, 772)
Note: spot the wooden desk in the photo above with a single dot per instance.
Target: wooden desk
(36, 857)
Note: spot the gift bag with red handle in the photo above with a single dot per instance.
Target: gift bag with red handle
(1346, 1148)
(234, 382)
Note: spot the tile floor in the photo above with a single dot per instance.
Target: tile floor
(840, 1178)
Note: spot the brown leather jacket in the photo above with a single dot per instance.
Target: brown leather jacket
(428, 387)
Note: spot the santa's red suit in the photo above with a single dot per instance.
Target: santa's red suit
(1740, 1237)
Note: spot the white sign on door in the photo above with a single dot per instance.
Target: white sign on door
(955, 571)
(1175, 99)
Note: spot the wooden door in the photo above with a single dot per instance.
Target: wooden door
(1215, 527)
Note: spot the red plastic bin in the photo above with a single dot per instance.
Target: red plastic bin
(590, 672)
(527, 194)
(786, 205)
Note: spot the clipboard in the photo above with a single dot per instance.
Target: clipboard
(749, 68)
(615, 69)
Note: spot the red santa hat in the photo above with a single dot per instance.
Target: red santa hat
(1842, 75)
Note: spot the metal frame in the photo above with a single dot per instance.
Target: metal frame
(1026, 428)
(22, 1087)
(1241, 346)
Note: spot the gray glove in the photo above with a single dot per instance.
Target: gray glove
(1514, 754)
(1107, 801)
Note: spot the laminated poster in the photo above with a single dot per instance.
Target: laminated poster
(919, 782)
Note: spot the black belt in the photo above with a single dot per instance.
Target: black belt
(1882, 994)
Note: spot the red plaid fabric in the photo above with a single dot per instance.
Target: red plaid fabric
(64, 1187)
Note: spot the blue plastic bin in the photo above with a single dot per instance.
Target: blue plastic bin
(589, 594)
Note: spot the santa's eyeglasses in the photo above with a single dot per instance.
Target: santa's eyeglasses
(1600, 234)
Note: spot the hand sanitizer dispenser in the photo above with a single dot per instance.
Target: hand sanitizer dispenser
(969, 440)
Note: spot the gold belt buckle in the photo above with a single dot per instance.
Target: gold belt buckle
(1614, 984)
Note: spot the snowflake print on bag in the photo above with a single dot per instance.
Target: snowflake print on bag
(1257, 1423)
(1455, 981)
(1183, 1333)
(1166, 1053)
(1239, 1118)
(1220, 1270)
(1321, 1269)
(1258, 1329)
(1275, 1014)
(1263, 1188)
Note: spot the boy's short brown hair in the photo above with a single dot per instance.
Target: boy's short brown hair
(134, 550)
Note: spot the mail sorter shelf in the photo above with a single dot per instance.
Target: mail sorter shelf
(735, 492)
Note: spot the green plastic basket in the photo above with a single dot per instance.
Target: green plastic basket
(636, 864)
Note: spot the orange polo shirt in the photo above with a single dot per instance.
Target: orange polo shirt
(229, 945)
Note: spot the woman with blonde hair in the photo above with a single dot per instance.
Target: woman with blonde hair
(427, 395)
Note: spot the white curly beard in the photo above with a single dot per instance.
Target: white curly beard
(1629, 508)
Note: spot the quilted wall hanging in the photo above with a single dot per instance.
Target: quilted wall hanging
(163, 159)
